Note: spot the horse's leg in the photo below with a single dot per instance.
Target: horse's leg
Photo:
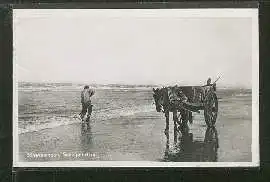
(166, 155)
(175, 119)
(167, 122)
(185, 122)
(190, 117)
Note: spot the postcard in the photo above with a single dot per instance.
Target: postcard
(135, 88)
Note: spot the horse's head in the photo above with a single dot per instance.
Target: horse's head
(159, 97)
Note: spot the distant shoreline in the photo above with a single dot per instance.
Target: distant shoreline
(122, 85)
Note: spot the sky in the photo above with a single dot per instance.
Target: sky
(97, 48)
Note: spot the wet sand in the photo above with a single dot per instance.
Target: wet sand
(140, 137)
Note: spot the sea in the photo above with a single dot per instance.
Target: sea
(49, 105)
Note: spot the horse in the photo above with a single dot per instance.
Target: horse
(170, 99)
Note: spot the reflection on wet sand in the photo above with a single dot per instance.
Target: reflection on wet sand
(186, 148)
(189, 150)
(86, 137)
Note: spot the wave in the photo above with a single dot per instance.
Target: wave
(61, 89)
(242, 95)
(53, 122)
(48, 122)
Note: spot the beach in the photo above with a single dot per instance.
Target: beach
(125, 126)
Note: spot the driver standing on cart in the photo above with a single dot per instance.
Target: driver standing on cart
(209, 84)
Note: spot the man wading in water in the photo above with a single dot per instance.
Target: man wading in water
(86, 95)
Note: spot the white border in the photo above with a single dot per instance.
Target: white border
(151, 13)
(143, 13)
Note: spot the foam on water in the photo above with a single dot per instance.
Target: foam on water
(68, 86)
(60, 121)
(98, 115)
(48, 123)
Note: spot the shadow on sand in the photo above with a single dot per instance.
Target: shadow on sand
(189, 150)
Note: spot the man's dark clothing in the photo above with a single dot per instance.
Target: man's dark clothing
(86, 107)
(86, 102)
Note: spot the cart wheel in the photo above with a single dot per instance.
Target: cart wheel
(210, 109)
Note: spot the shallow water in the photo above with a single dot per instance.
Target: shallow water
(125, 126)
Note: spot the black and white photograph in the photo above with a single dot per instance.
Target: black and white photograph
(135, 88)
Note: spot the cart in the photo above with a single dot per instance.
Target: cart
(198, 98)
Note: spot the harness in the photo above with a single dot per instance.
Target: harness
(170, 97)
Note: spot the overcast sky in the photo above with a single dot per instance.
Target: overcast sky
(133, 50)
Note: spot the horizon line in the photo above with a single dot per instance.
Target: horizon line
(137, 84)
